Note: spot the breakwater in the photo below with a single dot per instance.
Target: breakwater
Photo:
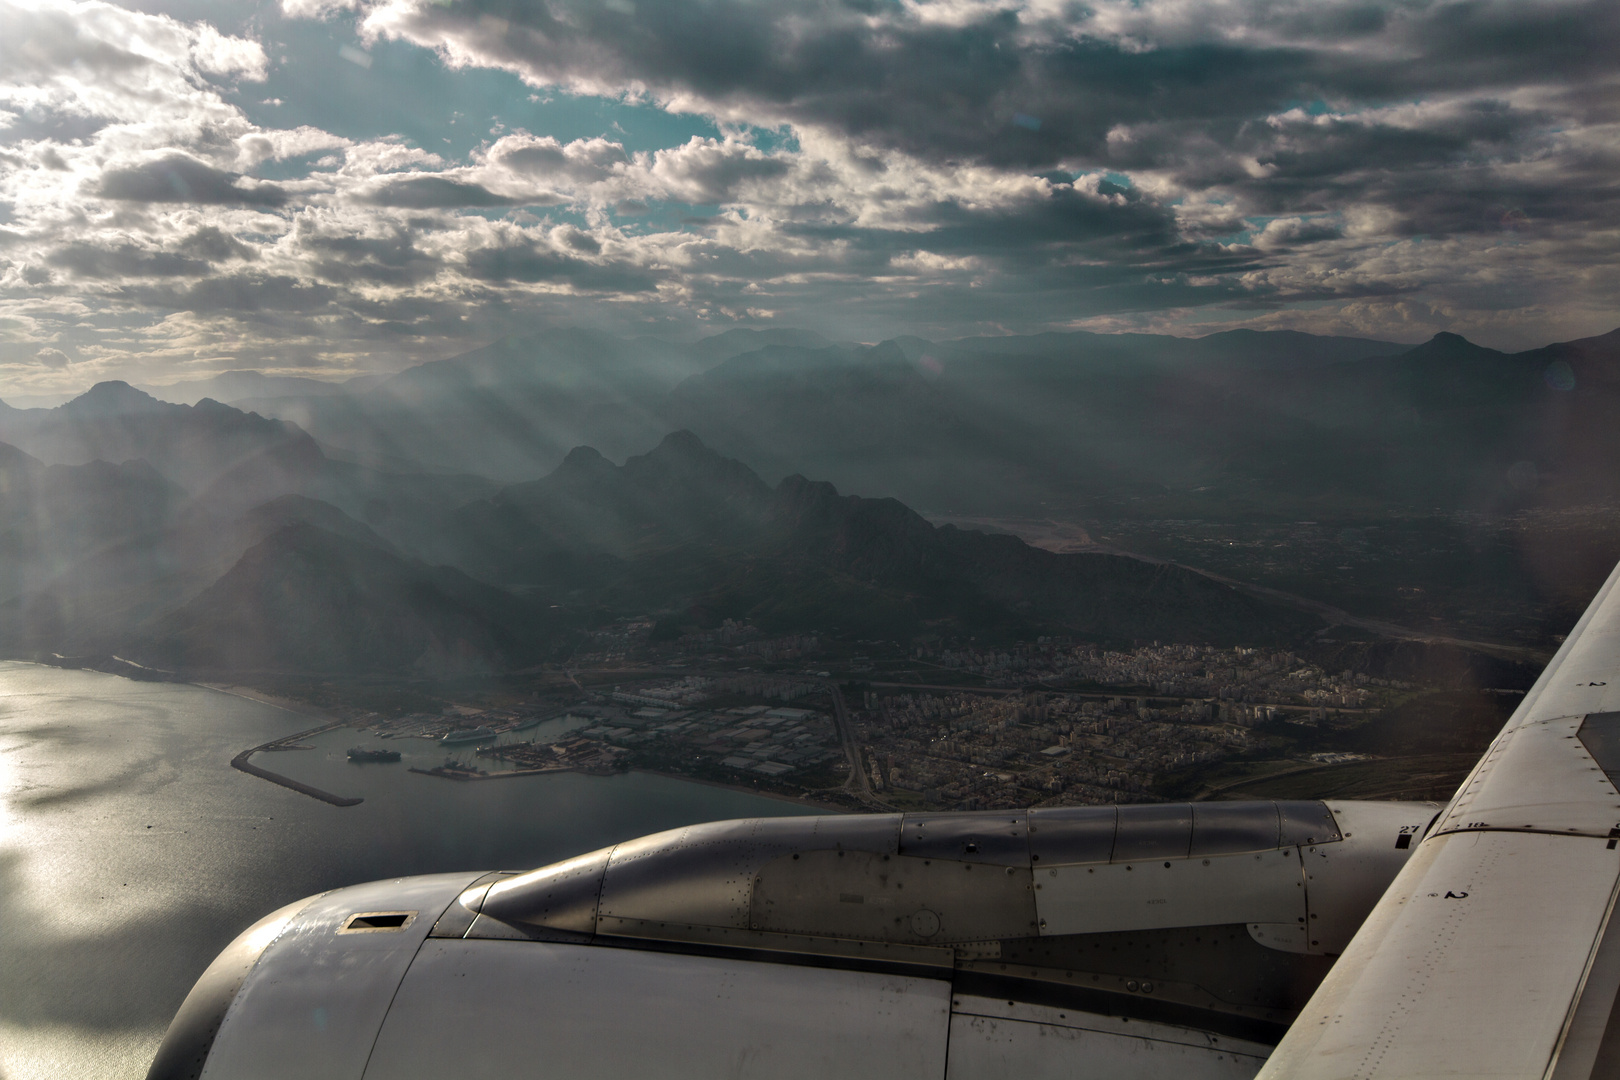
(240, 761)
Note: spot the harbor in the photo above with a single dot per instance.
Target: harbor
(240, 761)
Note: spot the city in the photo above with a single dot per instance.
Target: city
(933, 725)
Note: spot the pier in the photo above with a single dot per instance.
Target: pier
(240, 761)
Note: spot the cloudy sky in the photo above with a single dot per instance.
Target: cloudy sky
(333, 186)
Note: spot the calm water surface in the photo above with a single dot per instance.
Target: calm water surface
(131, 853)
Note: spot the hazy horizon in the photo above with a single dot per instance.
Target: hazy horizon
(363, 379)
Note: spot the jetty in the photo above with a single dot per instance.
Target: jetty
(240, 761)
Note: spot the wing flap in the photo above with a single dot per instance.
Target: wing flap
(1472, 969)
(1477, 959)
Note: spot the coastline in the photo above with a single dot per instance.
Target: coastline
(301, 709)
(796, 799)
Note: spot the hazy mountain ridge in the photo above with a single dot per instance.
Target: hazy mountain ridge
(234, 386)
(308, 600)
(999, 411)
(684, 525)
(514, 408)
(114, 422)
(99, 555)
(296, 584)
(52, 515)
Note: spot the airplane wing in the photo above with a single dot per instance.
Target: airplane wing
(1319, 940)
(1494, 953)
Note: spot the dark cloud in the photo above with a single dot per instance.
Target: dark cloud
(533, 263)
(1296, 232)
(239, 294)
(214, 245)
(438, 192)
(708, 172)
(389, 258)
(177, 178)
(1181, 89)
(582, 161)
(125, 260)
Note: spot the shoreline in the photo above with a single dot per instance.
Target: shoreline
(799, 800)
(297, 708)
(331, 722)
(505, 774)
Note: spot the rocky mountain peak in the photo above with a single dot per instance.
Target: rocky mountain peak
(111, 398)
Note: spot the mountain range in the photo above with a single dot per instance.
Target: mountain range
(396, 523)
(116, 559)
(1239, 423)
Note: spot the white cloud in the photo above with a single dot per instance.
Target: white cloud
(53, 358)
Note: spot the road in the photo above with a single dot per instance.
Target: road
(858, 784)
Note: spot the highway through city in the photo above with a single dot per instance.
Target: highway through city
(858, 784)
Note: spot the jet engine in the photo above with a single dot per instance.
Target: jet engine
(1135, 941)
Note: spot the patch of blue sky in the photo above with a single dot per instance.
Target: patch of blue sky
(773, 140)
(321, 76)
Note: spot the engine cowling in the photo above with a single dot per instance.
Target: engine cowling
(1206, 925)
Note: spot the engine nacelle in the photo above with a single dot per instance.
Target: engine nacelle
(850, 944)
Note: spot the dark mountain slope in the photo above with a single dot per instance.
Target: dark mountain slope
(96, 601)
(305, 599)
(52, 515)
(591, 511)
(1448, 424)
(686, 528)
(882, 543)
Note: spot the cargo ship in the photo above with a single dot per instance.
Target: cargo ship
(360, 753)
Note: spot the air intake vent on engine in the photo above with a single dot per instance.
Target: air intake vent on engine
(374, 922)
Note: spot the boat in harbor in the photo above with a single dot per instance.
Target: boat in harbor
(361, 753)
(454, 738)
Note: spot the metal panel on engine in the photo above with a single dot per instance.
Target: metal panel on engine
(999, 838)
(893, 898)
(562, 896)
(1227, 828)
(703, 874)
(1263, 887)
(1153, 832)
(581, 1012)
(1072, 834)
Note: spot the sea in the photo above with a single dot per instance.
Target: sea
(131, 852)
